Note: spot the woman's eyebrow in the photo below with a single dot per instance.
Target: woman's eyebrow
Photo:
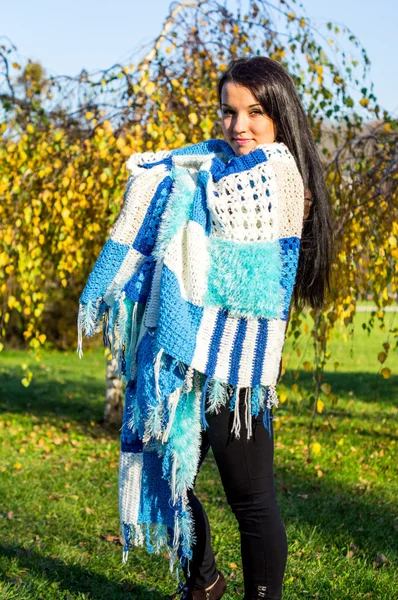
(251, 105)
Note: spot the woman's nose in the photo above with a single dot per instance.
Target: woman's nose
(240, 123)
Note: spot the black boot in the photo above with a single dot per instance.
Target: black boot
(215, 593)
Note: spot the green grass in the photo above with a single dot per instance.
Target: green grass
(59, 521)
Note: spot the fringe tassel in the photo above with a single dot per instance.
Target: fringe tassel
(173, 400)
(233, 400)
(87, 322)
(156, 370)
(133, 341)
(236, 426)
(217, 395)
(173, 485)
(272, 397)
(254, 401)
(188, 381)
(248, 415)
(203, 404)
(105, 330)
(267, 420)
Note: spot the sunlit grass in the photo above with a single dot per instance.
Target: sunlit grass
(59, 522)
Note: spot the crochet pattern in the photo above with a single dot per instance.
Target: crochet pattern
(192, 291)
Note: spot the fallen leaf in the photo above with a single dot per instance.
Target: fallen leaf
(113, 538)
(380, 559)
(316, 448)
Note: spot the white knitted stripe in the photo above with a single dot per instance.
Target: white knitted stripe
(248, 353)
(143, 158)
(291, 198)
(188, 247)
(272, 357)
(130, 476)
(240, 208)
(138, 198)
(203, 339)
(226, 347)
(132, 261)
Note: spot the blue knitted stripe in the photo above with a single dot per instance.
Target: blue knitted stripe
(131, 444)
(167, 162)
(261, 344)
(138, 287)
(204, 148)
(199, 210)
(237, 164)
(290, 249)
(237, 352)
(104, 271)
(179, 320)
(155, 492)
(215, 341)
(146, 237)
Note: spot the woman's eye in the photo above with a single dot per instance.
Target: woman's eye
(256, 112)
(227, 112)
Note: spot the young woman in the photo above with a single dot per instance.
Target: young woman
(196, 282)
(259, 104)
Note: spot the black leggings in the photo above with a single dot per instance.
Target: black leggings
(246, 470)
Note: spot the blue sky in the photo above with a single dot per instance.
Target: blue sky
(68, 36)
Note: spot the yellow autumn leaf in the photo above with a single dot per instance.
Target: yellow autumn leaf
(282, 397)
(193, 117)
(319, 405)
(316, 448)
(386, 372)
(326, 388)
(150, 88)
(381, 357)
(18, 465)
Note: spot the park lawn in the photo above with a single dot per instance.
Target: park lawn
(59, 522)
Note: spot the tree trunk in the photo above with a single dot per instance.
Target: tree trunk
(113, 414)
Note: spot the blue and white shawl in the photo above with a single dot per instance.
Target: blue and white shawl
(192, 291)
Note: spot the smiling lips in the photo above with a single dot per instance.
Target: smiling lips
(241, 140)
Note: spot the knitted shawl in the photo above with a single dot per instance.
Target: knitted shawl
(192, 291)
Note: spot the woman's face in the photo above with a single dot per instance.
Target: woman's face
(244, 122)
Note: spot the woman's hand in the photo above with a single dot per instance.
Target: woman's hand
(307, 203)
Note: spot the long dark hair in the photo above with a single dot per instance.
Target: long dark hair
(274, 89)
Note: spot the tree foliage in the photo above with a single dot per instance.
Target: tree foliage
(64, 142)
